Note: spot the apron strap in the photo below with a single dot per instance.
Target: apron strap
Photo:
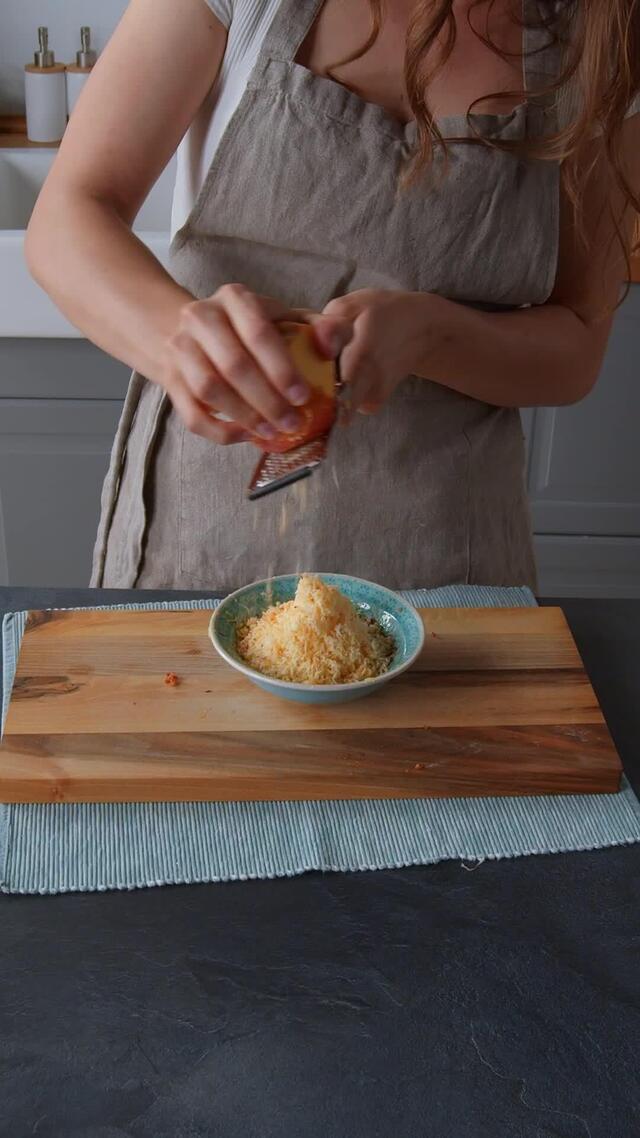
(542, 59)
(541, 62)
(289, 28)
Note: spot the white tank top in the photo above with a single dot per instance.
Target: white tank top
(247, 22)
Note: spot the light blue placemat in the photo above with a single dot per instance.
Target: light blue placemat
(65, 848)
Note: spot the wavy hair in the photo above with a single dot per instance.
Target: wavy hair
(600, 52)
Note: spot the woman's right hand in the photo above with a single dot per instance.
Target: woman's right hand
(227, 357)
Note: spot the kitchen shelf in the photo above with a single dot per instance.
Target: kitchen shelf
(13, 134)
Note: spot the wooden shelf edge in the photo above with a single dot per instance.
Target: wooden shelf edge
(13, 134)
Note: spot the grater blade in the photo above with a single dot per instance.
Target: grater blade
(277, 470)
(274, 471)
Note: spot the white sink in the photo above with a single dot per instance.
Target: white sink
(25, 309)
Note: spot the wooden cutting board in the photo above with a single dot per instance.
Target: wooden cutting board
(498, 704)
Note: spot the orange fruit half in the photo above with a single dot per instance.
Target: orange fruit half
(319, 414)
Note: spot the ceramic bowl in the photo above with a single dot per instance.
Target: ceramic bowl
(396, 616)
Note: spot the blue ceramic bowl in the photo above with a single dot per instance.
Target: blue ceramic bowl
(398, 618)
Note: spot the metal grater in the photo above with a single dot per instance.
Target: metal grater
(274, 471)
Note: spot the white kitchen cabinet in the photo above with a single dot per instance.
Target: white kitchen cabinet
(59, 369)
(53, 456)
(584, 472)
(584, 476)
(587, 566)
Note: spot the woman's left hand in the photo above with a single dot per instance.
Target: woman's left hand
(388, 338)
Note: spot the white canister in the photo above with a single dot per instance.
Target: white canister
(45, 94)
(76, 79)
(79, 72)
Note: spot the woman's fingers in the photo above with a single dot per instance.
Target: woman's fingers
(355, 368)
(209, 325)
(252, 320)
(229, 355)
(209, 389)
(331, 333)
(364, 385)
(198, 419)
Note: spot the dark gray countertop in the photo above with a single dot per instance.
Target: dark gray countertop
(438, 1002)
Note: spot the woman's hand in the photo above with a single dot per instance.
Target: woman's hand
(227, 357)
(389, 334)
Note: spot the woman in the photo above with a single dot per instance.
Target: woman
(448, 193)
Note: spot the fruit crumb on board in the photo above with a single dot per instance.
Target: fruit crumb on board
(171, 680)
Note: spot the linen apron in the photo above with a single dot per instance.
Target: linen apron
(302, 202)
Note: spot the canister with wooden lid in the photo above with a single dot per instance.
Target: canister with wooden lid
(45, 94)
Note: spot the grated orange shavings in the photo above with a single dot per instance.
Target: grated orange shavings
(319, 637)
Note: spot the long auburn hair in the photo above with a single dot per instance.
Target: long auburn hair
(600, 42)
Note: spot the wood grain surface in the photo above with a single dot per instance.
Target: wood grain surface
(498, 703)
(13, 131)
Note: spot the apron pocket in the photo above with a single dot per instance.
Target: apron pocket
(299, 279)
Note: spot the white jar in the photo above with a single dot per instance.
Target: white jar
(45, 94)
(79, 72)
(76, 79)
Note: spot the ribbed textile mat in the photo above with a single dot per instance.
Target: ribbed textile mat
(61, 848)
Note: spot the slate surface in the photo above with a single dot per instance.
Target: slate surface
(501, 1001)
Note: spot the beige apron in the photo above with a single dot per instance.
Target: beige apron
(302, 203)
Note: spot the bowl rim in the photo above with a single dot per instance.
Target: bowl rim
(288, 685)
